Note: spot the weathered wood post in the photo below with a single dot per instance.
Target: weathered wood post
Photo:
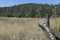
(46, 27)
(48, 21)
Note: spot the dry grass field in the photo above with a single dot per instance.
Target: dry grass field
(26, 28)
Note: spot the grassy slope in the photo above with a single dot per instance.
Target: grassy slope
(26, 28)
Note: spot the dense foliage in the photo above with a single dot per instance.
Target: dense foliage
(30, 10)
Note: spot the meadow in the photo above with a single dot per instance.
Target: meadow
(26, 28)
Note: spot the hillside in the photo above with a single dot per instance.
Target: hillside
(30, 10)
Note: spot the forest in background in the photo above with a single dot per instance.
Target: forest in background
(31, 10)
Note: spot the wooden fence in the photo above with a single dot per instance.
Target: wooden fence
(46, 28)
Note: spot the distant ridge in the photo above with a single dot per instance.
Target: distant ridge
(32, 10)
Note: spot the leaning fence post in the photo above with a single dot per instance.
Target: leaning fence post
(46, 27)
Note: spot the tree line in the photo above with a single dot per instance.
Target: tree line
(30, 10)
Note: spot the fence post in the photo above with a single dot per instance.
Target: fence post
(48, 21)
(46, 27)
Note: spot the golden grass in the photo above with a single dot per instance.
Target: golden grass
(26, 28)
